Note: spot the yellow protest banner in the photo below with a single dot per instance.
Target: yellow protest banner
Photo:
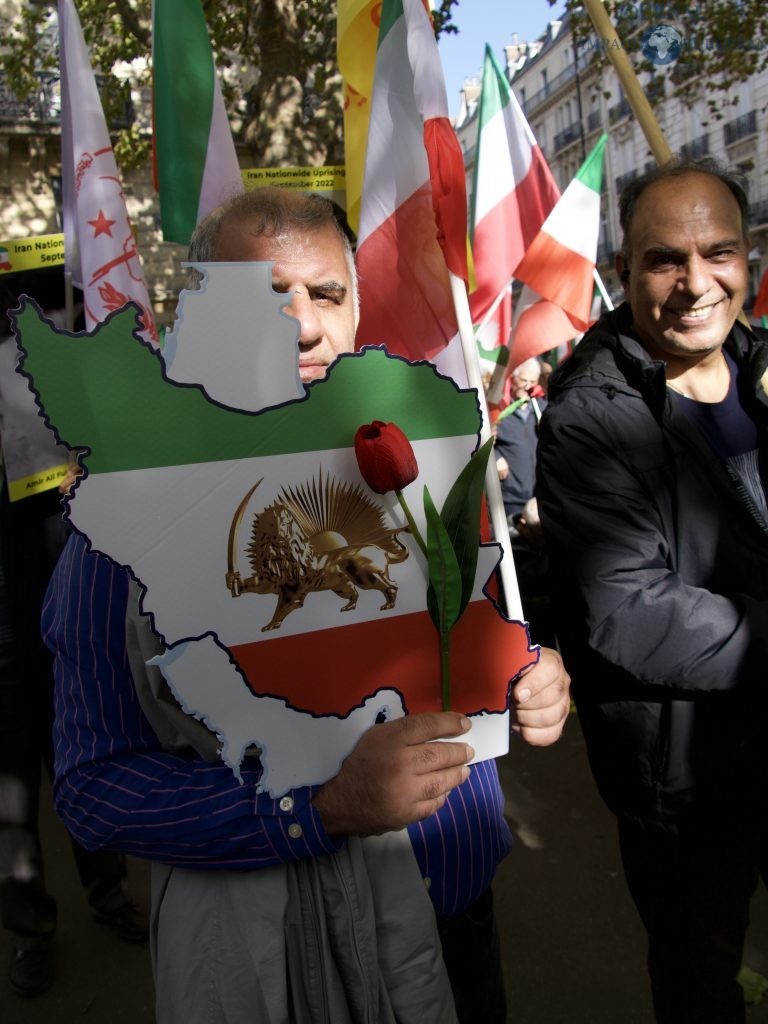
(31, 253)
(328, 180)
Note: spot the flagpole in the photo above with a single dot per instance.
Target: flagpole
(492, 483)
(494, 306)
(69, 302)
(603, 293)
(629, 81)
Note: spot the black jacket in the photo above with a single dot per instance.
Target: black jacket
(660, 566)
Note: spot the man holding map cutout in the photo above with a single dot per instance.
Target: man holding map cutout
(261, 886)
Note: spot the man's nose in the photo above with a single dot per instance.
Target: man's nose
(303, 308)
(697, 276)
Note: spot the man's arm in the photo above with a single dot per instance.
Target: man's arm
(607, 542)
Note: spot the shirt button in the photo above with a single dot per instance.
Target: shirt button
(427, 881)
(286, 804)
(295, 831)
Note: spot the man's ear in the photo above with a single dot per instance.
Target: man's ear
(622, 269)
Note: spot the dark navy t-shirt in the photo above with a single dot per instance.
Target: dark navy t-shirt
(732, 434)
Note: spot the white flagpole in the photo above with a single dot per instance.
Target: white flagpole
(492, 484)
(494, 306)
(603, 293)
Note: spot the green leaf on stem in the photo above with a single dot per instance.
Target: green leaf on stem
(445, 586)
(461, 518)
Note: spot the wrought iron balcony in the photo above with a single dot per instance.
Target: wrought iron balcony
(698, 148)
(740, 127)
(758, 213)
(568, 135)
(551, 87)
(43, 106)
(624, 179)
(619, 110)
(594, 121)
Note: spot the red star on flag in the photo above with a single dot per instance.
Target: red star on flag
(102, 225)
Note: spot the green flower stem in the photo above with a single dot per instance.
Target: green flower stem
(411, 522)
(445, 668)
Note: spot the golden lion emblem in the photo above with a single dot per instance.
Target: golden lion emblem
(324, 535)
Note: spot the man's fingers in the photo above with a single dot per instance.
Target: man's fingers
(435, 757)
(431, 725)
(543, 683)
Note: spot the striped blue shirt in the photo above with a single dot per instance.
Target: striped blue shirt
(116, 787)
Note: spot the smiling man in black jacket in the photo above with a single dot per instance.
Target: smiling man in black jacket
(652, 491)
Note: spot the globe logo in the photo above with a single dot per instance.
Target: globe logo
(662, 44)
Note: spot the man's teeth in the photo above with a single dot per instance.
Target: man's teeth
(697, 313)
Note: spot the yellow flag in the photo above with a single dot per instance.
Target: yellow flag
(357, 27)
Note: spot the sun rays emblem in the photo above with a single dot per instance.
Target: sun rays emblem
(322, 535)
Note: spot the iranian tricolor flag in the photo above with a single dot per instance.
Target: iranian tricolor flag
(196, 165)
(413, 217)
(559, 265)
(99, 245)
(513, 192)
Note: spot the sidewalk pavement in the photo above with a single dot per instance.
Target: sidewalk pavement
(573, 948)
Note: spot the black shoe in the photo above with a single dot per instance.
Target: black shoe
(31, 970)
(126, 919)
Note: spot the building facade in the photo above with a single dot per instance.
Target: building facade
(570, 94)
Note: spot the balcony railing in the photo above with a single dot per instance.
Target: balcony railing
(594, 121)
(43, 107)
(551, 87)
(624, 179)
(605, 252)
(740, 127)
(758, 213)
(619, 110)
(698, 148)
(568, 135)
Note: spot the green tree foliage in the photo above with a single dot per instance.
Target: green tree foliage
(723, 41)
(278, 57)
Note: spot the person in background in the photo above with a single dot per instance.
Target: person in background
(32, 535)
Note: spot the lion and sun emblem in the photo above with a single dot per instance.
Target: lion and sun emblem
(321, 535)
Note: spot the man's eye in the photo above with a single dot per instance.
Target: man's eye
(721, 255)
(328, 298)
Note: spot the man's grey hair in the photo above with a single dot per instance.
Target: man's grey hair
(271, 212)
(678, 167)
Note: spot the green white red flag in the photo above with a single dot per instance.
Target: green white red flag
(513, 193)
(413, 215)
(99, 245)
(196, 164)
(559, 265)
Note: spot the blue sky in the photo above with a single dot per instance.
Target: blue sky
(489, 21)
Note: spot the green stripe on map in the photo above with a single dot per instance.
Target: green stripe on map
(105, 391)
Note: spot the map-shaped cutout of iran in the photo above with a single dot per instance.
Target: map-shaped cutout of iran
(290, 598)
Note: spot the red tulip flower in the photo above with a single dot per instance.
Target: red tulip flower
(385, 457)
(386, 462)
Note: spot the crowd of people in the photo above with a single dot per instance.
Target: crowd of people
(634, 482)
